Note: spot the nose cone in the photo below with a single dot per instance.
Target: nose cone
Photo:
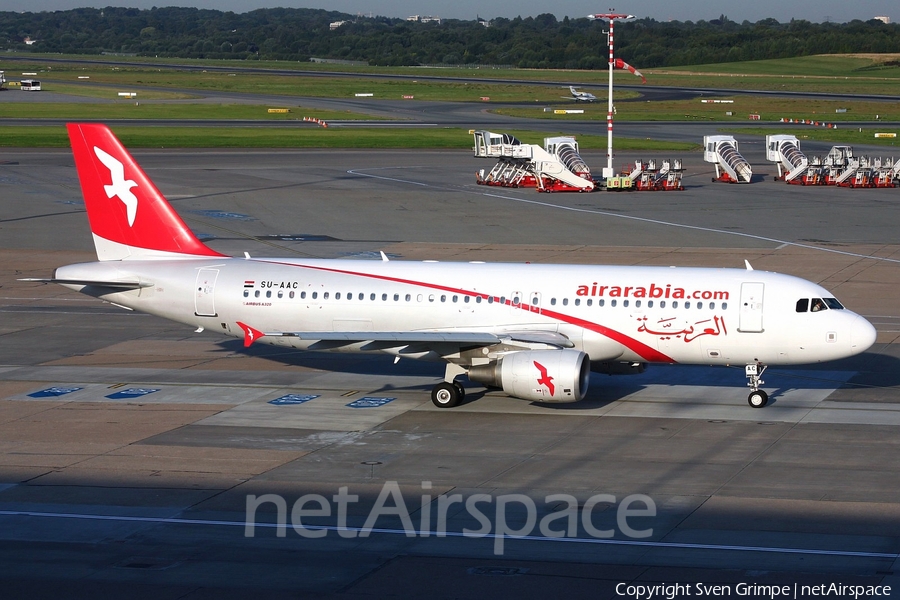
(862, 335)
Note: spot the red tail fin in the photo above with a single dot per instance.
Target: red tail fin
(129, 217)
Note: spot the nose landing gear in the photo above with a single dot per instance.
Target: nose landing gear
(757, 398)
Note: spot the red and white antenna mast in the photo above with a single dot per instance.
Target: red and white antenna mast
(611, 17)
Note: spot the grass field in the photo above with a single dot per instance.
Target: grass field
(841, 136)
(855, 73)
(309, 86)
(305, 137)
(769, 109)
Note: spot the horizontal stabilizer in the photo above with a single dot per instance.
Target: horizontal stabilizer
(118, 285)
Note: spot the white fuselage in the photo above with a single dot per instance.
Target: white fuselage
(612, 313)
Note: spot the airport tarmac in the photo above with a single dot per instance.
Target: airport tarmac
(130, 471)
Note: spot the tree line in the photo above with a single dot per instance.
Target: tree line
(533, 42)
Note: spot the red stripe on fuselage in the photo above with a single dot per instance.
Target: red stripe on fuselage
(641, 349)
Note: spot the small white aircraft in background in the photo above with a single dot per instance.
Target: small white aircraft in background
(580, 96)
(534, 330)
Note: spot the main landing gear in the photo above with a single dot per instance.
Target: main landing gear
(448, 395)
(757, 398)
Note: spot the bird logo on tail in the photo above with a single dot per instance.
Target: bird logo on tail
(119, 186)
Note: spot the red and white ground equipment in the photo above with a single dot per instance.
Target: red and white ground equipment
(722, 151)
(645, 176)
(793, 166)
(557, 167)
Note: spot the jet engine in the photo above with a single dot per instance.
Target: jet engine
(538, 375)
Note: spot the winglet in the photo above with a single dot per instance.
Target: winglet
(384, 257)
(747, 264)
(250, 334)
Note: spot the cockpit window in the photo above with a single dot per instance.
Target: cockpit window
(803, 305)
(833, 303)
(816, 305)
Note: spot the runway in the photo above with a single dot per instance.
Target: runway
(137, 481)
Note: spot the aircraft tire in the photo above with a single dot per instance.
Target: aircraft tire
(445, 395)
(462, 391)
(758, 399)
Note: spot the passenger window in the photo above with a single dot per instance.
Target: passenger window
(515, 300)
(577, 301)
(396, 297)
(256, 294)
(662, 303)
(363, 296)
(455, 298)
(552, 301)
(408, 297)
(315, 295)
(590, 302)
(431, 297)
(269, 294)
(419, 297)
(637, 303)
(325, 296)
(565, 301)
(443, 298)
(280, 293)
(612, 302)
(649, 303)
(601, 302)
(246, 293)
(291, 294)
(477, 299)
(490, 299)
(624, 302)
(502, 299)
(724, 306)
(675, 304)
(712, 306)
(337, 295)
(466, 299)
(699, 305)
(383, 298)
(687, 304)
(803, 305)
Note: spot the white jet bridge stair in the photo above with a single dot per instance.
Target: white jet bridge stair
(722, 151)
(557, 167)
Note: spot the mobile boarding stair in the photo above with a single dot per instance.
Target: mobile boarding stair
(722, 151)
(793, 166)
(557, 167)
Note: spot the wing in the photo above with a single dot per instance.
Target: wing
(443, 342)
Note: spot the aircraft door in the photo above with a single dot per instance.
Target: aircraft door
(204, 297)
(751, 317)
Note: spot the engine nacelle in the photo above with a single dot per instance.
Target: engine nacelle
(538, 375)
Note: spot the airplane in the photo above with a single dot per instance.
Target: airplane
(535, 331)
(580, 96)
